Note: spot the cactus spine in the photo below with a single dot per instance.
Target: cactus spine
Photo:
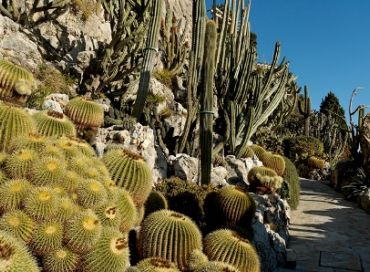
(149, 57)
(54, 124)
(304, 107)
(206, 114)
(85, 113)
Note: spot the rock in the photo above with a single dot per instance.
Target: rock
(61, 99)
(364, 200)
(105, 103)
(270, 230)
(17, 47)
(185, 167)
(52, 105)
(218, 176)
(238, 169)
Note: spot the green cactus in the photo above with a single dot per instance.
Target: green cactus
(270, 183)
(18, 224)
(33, 141)
(109, 214)
(66, 209)
(47, 171)
(227, 246)
(15, 122)
(263, 171)
(68, 147)
(14, 255)
(197, 259)
(130, 172)
(304, 106)
(258, 150)
(41, 203)
(51, 123)
(155, 202)
(85, 113)
(83, 231)
(156, 264)
(19, 164)
(292, 178)
(206, 113)
(169, 235)
(61, 260)
(236, 206)
(126, 209)
(274, 161)
(91, 193)
(248, 153)
(70, 181)
(111, 253)
(47, 237)
(216, 267)
(51, 150)
(315, 162)
(16, 83)
(13, 194)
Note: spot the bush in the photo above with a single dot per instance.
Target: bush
(302, 147)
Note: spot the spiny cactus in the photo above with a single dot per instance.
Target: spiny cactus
(51, 123)
(197, 259)
(236, 206)
(41, 203)
(47, 171)
(47, 237)
(216, 267)
(14, 255)
(18, 224)
(169, 235)
(109, 214)
(227, 246)
(249, 153)
(85, 113)
(111, 253)
(61, 260)
(13, 194)
(263, 171)
(274, 161)
(126, 209)
(271, 183)
(16, 83)
(292, 178)
(304, 106)
(156, 201)
(19, 164)
(156, 264)
(315, 162)
(15, 122)
(66, 209)
(258, 150)
(33, 141)
(91, 193)
(130, 172)
(83, 231)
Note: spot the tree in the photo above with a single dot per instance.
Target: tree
(330, 105)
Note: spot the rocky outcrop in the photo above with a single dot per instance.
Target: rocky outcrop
(270, 230)
(238, 169)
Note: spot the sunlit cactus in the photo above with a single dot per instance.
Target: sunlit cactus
(274, 161)
(19, 164)
(31, 141)
(41, 203)
(47, 171)
(51, 123)
(156, 264)
(258, 150)
(13, 193)
(91, 193)
(18, 224)
(85, 113)
(47, 237)
(61, 260)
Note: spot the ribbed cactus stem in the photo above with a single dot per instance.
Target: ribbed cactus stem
(304, 107)
(361, 115)
(149, 58)
(206, 114)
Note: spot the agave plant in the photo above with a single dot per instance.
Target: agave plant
(359, 183)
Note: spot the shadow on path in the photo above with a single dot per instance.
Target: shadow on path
(329, 233)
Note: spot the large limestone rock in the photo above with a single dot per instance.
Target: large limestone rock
(238, 169)
(365, 141)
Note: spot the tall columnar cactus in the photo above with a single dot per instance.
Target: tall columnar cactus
(206, 113)
(169, 235)
(274, 161)
(292, 178)
(85, 113)
(15, 122)
(149, 58)
(130, 171)
(304, 106)
(227, 246)
(16, 83)
(50, 123)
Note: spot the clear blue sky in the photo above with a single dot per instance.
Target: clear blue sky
(326, 41)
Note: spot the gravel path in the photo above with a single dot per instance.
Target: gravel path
(327, 232)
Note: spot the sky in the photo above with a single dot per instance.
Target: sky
(327, 43)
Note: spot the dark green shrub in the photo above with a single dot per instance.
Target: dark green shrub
(292, 179)
(302, 147)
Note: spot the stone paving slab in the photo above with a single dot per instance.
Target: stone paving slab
(328, 233)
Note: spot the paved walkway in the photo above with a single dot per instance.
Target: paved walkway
(329, 233)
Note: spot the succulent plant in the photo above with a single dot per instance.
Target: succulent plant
(292, 178)
(197, 259)
(109, 214)
(47, 171)
(236, 206)
(258, 150)
(41, 203)
(271, 183)
(15, 122)
(51, 123)
(31, 141)
(263, 171)
(91, 193)
(156, 264)
(19, 163)
(13, 194)
(111, 253)
(249, 153)
(70, 181)
(15, 81)
(155, 202)
(216, 267)
(169, 235)
(85, 113)
(316, 163)
(130, 172)
(61, 260)
(275, 162)
(227, 246)
(51, 150)
(47, 237)
(126, 209)
(18, 224)
(14, 255)
(83, 231)
(66, 209)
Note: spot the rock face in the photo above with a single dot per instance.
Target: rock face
(270, 230)
(365, 140)
(238, 169)
(364, 200)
